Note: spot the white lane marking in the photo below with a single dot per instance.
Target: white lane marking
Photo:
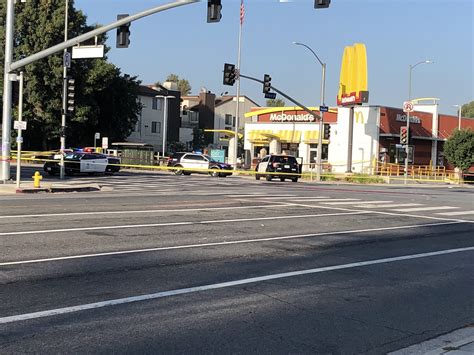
(182, 291)
(291, 197)
(342, 200)
(353, 202)
(139, 211)
(389, 206)
(456, 213)
(166, 224)
(232, 242)
(426, 208)
(381, 212)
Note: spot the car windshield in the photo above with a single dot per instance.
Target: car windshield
(73, 156)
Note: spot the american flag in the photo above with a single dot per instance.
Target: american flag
(242, 12)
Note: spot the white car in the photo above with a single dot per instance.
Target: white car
(79, 163)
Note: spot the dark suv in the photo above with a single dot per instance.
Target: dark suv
(187, 163)
(278, 166)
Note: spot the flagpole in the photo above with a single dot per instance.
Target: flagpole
(236, 138)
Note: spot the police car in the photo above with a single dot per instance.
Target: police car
(83, 162)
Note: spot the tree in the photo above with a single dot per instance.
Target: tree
(467, 110)
(459, 149)
(183, 85)
(275, 103)
(106, 100)
(199, 139)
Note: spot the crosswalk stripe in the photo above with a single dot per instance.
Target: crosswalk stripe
(353, 202)
(290, 197)
(315, 199)
(425, 208)
(390, 206)
(456, 213)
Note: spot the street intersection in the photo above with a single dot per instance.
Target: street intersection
(164, 263)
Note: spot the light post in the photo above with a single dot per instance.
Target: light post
(321, 125)
(165, 118)
(411, 67)
(459, 115)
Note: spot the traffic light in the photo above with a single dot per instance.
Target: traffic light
(214, 8)
(267, 85)
(327, 131)
(70, 94)
(404, 135)
(321, 4)
(123, 33)
(229, 74)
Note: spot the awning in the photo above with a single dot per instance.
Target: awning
(260, 135)
(285, 136)
(289, 136)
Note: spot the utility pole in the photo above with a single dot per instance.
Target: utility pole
(64, 110)
(7, 93)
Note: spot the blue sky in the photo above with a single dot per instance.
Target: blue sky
(397, 33)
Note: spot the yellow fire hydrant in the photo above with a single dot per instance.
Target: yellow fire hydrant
(36, 180)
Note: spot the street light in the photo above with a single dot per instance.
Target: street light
(411, 67)
(459, 115)
(320, 135)
(165, 118)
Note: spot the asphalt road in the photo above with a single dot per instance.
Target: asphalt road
(161, 264)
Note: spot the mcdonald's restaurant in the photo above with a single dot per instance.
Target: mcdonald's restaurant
(287, 130)
(375, 135)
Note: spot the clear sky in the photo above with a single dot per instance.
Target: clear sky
(397, 33)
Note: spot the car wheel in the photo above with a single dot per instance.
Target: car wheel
(294, 179)
(268, 178)
(215, 173)
(178, 171)
(257, 177)
(282, 179)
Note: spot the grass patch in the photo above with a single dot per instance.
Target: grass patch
(364, 179)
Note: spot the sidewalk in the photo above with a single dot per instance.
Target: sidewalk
(459, 342)
(48, 187)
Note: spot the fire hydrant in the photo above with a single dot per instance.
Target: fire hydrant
(36, 180)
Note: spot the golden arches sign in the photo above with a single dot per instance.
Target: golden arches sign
(359, 117)
(353, 87)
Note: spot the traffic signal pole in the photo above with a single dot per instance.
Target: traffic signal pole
(317, 116)
(62, 132)
(11, 66)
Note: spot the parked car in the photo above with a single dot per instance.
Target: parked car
(278, 166)
(185, 163)
(79, 162)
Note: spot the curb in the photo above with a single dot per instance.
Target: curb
(53, 189)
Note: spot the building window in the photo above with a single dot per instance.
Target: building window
(155, 127)
(229, 120)
(156, 104)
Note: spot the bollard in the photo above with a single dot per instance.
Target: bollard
(36, 180)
